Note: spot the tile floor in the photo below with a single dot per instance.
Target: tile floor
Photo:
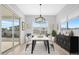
(38, 50)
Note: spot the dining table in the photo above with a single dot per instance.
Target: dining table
(43, 38)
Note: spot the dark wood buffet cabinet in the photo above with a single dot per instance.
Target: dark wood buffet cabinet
(69, 43)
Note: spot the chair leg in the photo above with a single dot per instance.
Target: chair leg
(27, 46)
(53, 46)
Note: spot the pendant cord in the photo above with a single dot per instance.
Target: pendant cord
(40, 19)
(40, 9)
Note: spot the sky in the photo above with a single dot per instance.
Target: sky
(9, 23)
(73, 23)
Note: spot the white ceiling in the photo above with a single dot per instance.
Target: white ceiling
(46, 9)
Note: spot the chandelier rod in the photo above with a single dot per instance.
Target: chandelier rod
(40, 9)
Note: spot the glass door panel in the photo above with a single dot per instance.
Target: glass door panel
(6, 35)
(10, 29)
(6, 28)
(16, 31)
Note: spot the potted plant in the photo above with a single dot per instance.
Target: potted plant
(54, 33)
(71, 33)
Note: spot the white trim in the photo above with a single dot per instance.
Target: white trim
(13, 31)
(0, 36)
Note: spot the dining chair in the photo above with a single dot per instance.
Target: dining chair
(51, 41)
(28, 40)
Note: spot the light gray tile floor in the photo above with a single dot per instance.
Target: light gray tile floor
(38, 50)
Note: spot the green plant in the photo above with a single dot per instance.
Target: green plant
(54, 33)
(71, 33)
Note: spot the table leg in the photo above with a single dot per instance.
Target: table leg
(48, 46)
(45, 43)
(33, 45)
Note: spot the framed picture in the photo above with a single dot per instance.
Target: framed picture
(23, 25)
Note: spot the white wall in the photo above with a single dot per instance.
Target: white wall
(28, 21)
(0, 29)
(50, 18)
(0, 33)
(70, 11)
(52, 24)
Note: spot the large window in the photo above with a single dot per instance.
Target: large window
(73, 23)
(39, 28)
(45, 24)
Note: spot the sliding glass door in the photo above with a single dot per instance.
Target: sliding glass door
(16, 31)
(7, 41)
(10, 33)
(9, 29)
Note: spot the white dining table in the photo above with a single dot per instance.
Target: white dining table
(40, 38)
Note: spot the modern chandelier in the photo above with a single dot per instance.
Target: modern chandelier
(40, 19)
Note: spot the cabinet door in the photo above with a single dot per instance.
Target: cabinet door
(74, 44)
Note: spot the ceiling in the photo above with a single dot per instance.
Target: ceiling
(5, 11)
(46, 9)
